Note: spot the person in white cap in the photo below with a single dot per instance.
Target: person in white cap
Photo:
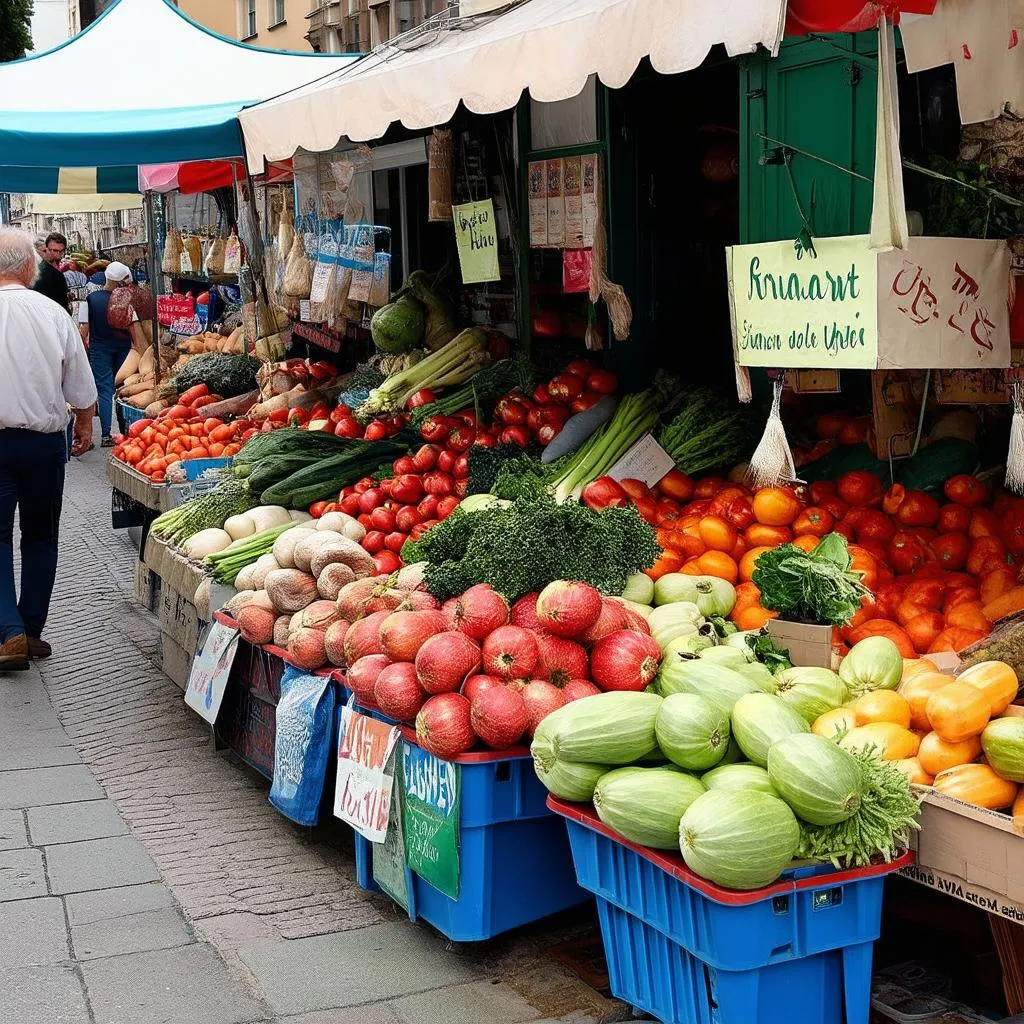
(108, 346)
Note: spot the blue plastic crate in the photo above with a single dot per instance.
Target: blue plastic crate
(689, 951)
(129, 414)
(195, 468)
(505, 831)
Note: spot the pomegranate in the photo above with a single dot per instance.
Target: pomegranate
(624, 661)
(306, 648)
(419, 601)
(510, 652)
(387, 601)
(334, 642)
(476, 685)
(397, 692)
(499, 717)
(560, 660)
(524, 613)
(567, 608)
(540, 698)
(402, 634)
(577, 689)
(613, 617)
(256, 624)
(444, 661)
(443, 725)
(362, 676)
(479, 611)
(363, 637)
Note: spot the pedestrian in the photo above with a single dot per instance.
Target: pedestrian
(46, 370)
(108, 346)
(50, 281)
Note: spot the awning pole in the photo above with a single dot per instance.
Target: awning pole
(153, 280)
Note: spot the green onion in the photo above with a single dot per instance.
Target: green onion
(227, 564)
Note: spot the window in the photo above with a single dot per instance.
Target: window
(277, 14)
(248, 11)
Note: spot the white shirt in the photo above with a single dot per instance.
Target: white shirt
(43, 364)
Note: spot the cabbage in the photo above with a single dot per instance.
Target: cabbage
(692, 643)
(821, 782)
(674, 620)
(875, 663)
(639, 588)
(722, 655)
(712, 596)
(811, 691)
(738, 839)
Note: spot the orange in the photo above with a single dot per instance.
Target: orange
(806, 542)
(669, 561)
(759, 535)
(718, 563)
(776, 506)
(754, 617)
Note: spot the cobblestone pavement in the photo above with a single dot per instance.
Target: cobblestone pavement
(144, 877)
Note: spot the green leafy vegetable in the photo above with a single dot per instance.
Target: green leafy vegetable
(526, 545)
(766, 651)
(815, 588)
(485, 464)
(224, 375)
(707, 433)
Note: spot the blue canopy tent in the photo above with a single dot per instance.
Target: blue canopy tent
(174, 93)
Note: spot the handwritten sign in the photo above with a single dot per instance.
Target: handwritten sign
(645, 460)
(390, 871)
(942, 303)
(431, 802)
(174, 307)
(210, 671)
(804, 311)
(362, 795)
(476, 234)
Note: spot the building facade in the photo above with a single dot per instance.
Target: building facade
(273, 24)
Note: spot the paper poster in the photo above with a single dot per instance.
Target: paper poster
(362, 795)
(476, 234)
(804, 310)
(537, 186)
(431, 818)
(588, 184)
(556, 204)
(210, 671)
(577, 265)
(942, 303)
(572, 187)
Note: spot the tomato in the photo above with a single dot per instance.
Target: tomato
(438, 483)
(928, 593)
(709, 486)
(776, 506)
(647, 507)
(635, 488)
(422, 397)
(446, 460)
(370, 499)
(407, 489)
(373, 541)
(739, 512)
(953, 519)
(566, 387)
(1013, 529)
(602, 492)
(967, 490)
(830, 424)
(668, 561)
(855, 431)
(717, 534)
(951, 550)
(873, 525)
(759, 535)
(888, 597)
(461, 468)
(604, 382)
(907, 553)
(859, 488)
(981, 551)
(514, 435)
(676, 484)
(387, 562)
(427, 508)
(541, 395)
(555, 414)
(350, 505)
(461, 438)
(586, 401)
(985, 524)
(836, 507)
(485, 440)
(446, 506)
(813, 521)
(376, 430)
(436, 429)
(348, 426)
(548, 433)
(918, 509)
(510, 412)
(394, 541)
(862, 561)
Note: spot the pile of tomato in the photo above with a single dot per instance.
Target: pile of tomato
(941, 572)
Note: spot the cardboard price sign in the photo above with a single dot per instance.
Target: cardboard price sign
(210, 671)
(362, 796)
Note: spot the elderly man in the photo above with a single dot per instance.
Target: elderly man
(51, 282)
(46, 370)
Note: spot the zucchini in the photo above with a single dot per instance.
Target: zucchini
(291, 441)
(274, 468)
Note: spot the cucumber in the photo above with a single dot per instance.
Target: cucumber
(274, 468)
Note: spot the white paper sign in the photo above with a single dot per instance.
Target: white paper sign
(646, 460)
(362, 794)
(209, 676)
(321, 277)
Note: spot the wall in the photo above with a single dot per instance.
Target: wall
(225, 18)
(51, 24)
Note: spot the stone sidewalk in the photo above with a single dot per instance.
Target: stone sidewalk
(144, 878)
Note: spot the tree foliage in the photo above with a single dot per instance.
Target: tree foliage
(15, 29)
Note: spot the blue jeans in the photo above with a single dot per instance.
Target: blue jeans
(105, 360)
(31, 481)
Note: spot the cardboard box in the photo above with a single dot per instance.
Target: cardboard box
(971, 854)
(179, 619)
(147, 587)
(807, 645)
(177, 662)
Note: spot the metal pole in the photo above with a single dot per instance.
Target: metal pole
(154, 270)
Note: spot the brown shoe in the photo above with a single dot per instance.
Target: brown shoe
(38, 648)
(14, 654)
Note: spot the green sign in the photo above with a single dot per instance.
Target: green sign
(430, 818)
(476, 233)
(389, 870)
(815, 310)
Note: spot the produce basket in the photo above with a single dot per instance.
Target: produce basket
(689, 951)
(505, 831)
(128, 414)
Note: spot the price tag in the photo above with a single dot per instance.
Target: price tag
(304, 311)
(210, 671)
(363, 789)
(321, 278)
(646, 461)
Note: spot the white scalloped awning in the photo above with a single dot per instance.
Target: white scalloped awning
(550, 47)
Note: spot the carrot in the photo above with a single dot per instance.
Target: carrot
(1006, 604)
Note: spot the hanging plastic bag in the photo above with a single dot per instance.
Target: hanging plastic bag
(233, 254)
(303, 745)
(214, 263)
(172, 253)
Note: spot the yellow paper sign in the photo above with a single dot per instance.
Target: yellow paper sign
(476, 233)
(809, 311)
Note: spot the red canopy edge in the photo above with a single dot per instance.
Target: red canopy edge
(806, 16)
